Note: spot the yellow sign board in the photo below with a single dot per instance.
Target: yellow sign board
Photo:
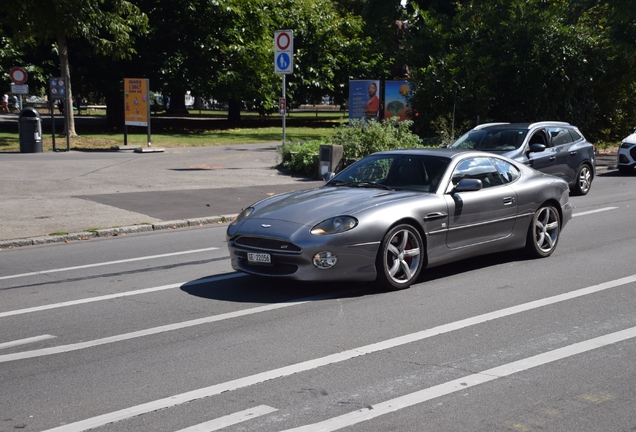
(136, 104)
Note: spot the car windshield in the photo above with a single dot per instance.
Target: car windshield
(492, 139)
(394, 171)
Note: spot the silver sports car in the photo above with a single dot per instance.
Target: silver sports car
(394, 213)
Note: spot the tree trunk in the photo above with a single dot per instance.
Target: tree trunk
(115, 106)
(177, 100)
(234, 110)
(62, 47)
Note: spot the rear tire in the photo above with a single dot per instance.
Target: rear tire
(544, 232)
(583, 180)
(400, 258)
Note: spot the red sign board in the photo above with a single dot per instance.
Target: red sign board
(18, 75)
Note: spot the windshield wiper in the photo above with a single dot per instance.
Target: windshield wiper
(374, 185)
(342, 183)
(362, 184)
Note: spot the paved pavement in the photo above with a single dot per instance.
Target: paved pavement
(61, 196)
(105, 193)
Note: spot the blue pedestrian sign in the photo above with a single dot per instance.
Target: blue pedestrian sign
(283, 62)
(283, 51)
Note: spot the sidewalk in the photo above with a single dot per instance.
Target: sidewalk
(56, 197)
(107, 193)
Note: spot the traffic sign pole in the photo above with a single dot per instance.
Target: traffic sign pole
(19, 77)
(284, 111)
(283, 62)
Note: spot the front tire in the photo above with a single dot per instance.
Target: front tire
(583, 180)
(544, 232)
(400, 258)
(624, 169)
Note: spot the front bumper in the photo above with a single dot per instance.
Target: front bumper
(355, 262)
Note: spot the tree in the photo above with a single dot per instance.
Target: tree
(520, 60)
(109, 27)
(330, 48)
(225, 49)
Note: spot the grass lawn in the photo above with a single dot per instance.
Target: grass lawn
(9, 142)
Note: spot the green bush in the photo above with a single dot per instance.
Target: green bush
(358, 139)
(302, 158)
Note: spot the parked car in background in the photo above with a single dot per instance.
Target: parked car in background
(394, 213)
(555, 148)
(626, 158)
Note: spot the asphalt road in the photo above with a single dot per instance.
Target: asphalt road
(155, 332)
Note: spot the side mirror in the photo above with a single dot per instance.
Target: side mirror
(328, 176)
(468, 185)
(536, 148)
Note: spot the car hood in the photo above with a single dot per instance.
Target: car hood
(308, 207)
(631, 139)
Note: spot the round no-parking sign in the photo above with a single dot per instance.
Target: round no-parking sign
(18, 75)
(283, 51)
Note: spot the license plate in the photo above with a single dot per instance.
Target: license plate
(261, 258)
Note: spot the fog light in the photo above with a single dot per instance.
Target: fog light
(325, 260)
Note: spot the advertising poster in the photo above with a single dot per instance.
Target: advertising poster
(396, 105)
(136, 106)
(364, 99)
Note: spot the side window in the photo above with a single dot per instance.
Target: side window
(508, 172)
(559, 136)
(480, 168)
(538, 138)
(575, 135)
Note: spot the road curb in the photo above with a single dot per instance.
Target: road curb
(117, 231)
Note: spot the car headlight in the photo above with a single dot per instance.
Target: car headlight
(242, 215)
(335, 225)
(626, 145)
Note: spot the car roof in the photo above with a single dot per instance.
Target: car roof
(430, 151)
(520, 125)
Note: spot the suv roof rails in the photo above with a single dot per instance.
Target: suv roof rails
(548, 123)
(484, 125)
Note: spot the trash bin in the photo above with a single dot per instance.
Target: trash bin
(30, 125)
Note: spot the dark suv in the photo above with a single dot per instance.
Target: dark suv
(555, 148)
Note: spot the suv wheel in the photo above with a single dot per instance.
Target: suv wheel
(583, 180)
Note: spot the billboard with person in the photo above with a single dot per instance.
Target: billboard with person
(364, 101)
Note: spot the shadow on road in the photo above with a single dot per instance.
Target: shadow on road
(254, 289)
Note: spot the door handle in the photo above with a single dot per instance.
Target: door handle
(508, 200)
(552, 158)
(435, 215)
(573, 153)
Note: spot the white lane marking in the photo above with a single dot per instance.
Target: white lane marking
(161, 329)
(327, 360)
(118, 295)
(231, 419)
(106, 263)
(26, 341)
(461, 384)
(585, 213)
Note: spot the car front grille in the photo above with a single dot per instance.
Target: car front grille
(273, 270)
(266, 244)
